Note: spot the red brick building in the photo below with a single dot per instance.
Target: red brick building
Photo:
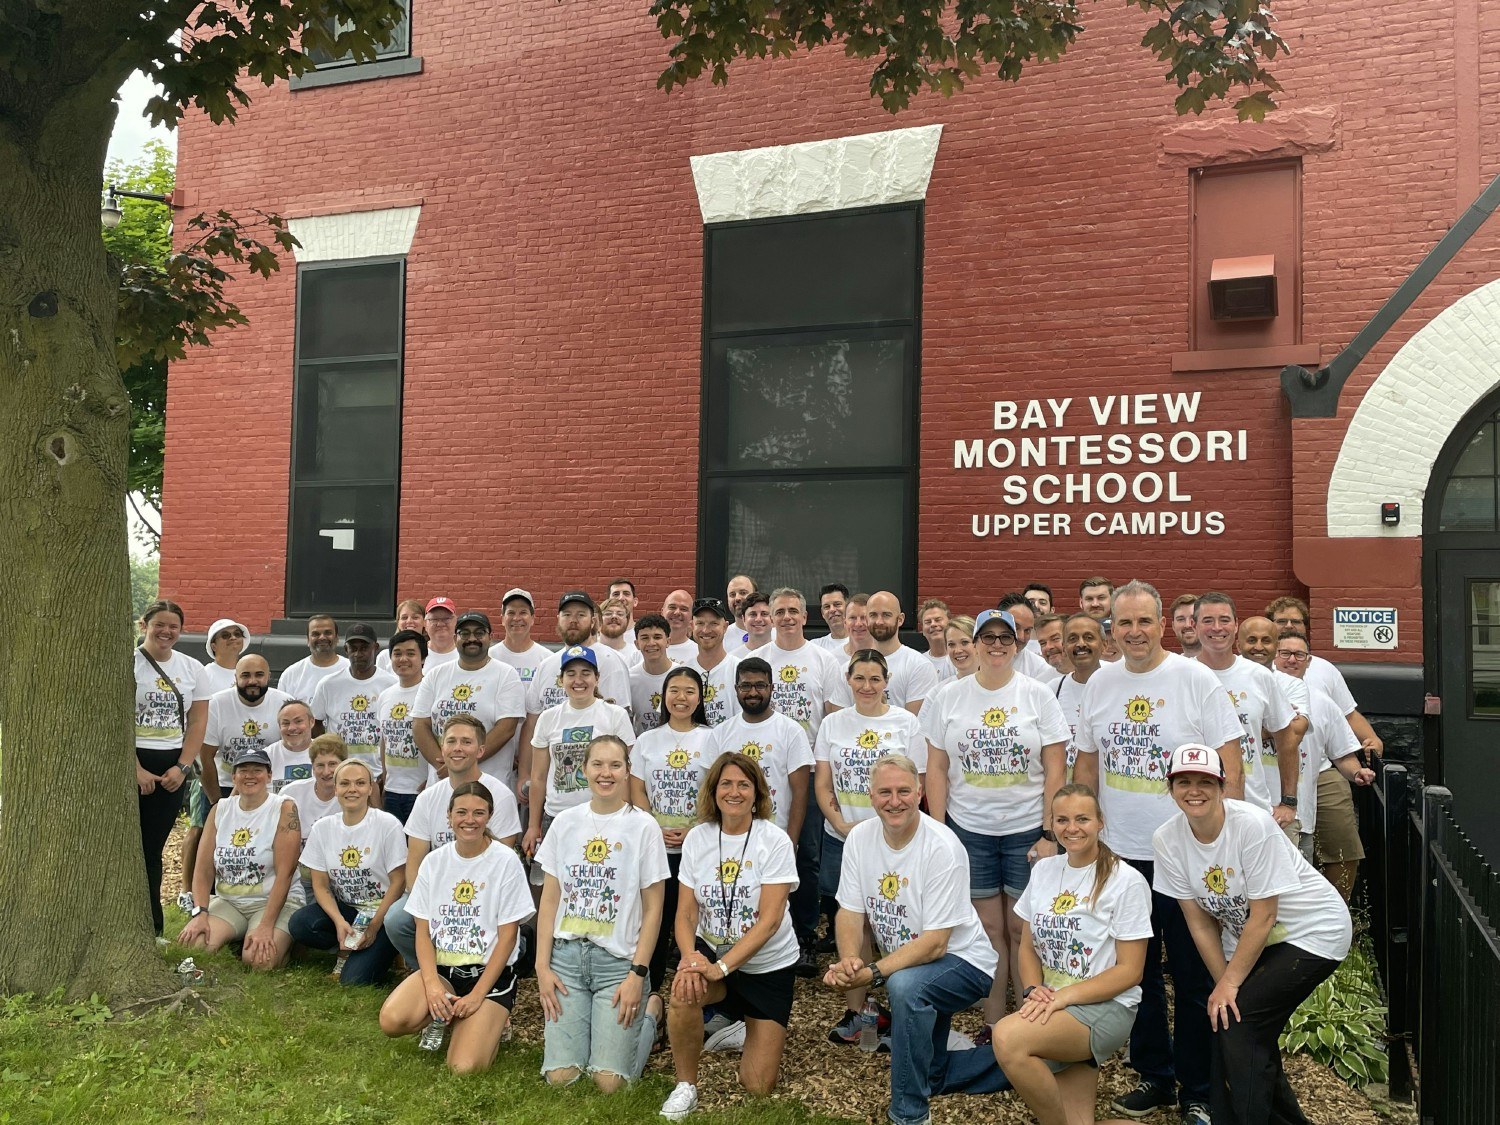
(548, 325)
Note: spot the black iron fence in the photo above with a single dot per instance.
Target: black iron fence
(1434, 907)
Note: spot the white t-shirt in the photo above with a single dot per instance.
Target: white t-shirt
(1261, 707)
(235, 726)
(406, 771)
(435, 659)
(603, 862)
(158, 725)
(1069, 695)
(287, 766)
(850, 742)
(725, 875)
(546, 688)
(1030, 663)
(671, 765)
(525, 663)
(645, 697)
(780, 747)
(302, 678)
(244, 853)
(1294, 691)
(942, 667)
(216, 677)
(1329, 737)
(631, 655)
(923, 886)
(720, 701)
(490, 694)
(803, 680)
(1134, 721)
(466, 901)
(1325, 676)
(994, 742)
(564, 733)
(348, 708)
(1073, 929)
(428, 819)
(912, 679)
(682, 652)
(1252, 859)
(358, 859)
(835, 645)
(310, 809)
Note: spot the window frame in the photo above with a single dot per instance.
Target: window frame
(389, 62)
(299, 421)
(713, 409)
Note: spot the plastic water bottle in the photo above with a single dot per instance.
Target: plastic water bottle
(433, 1035)
(869, 1034)
(351, 941)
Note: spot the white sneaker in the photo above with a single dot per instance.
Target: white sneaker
(185, 902)
(680, 1102)
(730, 1037)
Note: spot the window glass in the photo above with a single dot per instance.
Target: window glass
(1484, 648)
(349, 418)
(342, 554)
(1478, 457)
(1468, 505)
(350, 311)
(398, 47)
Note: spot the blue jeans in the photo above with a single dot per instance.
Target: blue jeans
(923, 999)
(312, 927)
(587, 1036)
(401, 928)
(399, 805)
(804, 900)
(1155, 1054)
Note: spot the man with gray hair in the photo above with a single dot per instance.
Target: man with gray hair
(1133, 714)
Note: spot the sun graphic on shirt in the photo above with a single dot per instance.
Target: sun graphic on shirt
(596, 850)
(868, 740)
(463, 692)
(678, 758)
(163, 684)
(1064, 902)
(1215, 880)
(751, 750)
(710, 693)
(890, 886)
(729, 871)
(399, 712)
(656, 701)
(1138, 709)
(251, 729)
(240, 837)
(789, 674)
(463, 892)
(349, 857)
(359, 703)
(995, 717)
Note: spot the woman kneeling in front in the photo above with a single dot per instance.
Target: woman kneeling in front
(738, 870)
(1085, 921)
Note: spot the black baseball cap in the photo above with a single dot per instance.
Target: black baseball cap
(712, 605)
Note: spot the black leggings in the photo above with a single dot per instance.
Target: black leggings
(1248, 1085)
(159, 811)
(664, 942)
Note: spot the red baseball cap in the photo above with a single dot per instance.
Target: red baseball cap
(443, 603)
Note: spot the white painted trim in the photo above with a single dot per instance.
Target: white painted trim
(863, 171)
(1409, 413)
(355, 234)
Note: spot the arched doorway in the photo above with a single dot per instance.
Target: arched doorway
(1461, 575)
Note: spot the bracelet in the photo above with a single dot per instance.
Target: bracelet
(724, 969)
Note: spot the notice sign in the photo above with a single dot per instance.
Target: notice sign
(1367, 627)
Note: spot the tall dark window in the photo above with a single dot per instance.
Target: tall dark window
(346, 439)
(810, 387)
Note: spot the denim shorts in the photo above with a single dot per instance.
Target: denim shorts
(586, 1035)
(997, 863)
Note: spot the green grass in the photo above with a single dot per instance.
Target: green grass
(287, 1047)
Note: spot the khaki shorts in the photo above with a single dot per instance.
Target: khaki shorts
(1337, 837)
(227, 910)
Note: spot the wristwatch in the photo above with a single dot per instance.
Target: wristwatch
(1289, 802)
(197, 910)
(1027, 991)
(877, 978)
(1048, 836)
(639, 970)
(187, 770)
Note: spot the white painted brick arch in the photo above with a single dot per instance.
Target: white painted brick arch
(1409, 413)
(355, 234)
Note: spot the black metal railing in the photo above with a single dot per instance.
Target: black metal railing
(1434, 904)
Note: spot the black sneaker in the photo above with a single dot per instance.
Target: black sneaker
(846, 1031)
(807, 962)
(1144, 1100)
(1196, 1113)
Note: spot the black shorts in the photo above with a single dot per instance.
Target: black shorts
(462, 979)
(755, 996)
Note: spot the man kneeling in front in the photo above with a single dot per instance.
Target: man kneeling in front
(907, 877)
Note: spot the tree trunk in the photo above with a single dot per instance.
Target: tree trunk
(73, 910)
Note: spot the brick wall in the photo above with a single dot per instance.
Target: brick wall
(554, 288)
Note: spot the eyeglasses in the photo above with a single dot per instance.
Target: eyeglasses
(223, 633)
(1292, 654)
(474, 634)
(996, 640)
(1285, 621)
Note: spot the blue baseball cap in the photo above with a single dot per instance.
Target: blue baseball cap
(578, 652)
(1001, 615)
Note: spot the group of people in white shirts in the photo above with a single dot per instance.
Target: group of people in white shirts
(672, 808)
